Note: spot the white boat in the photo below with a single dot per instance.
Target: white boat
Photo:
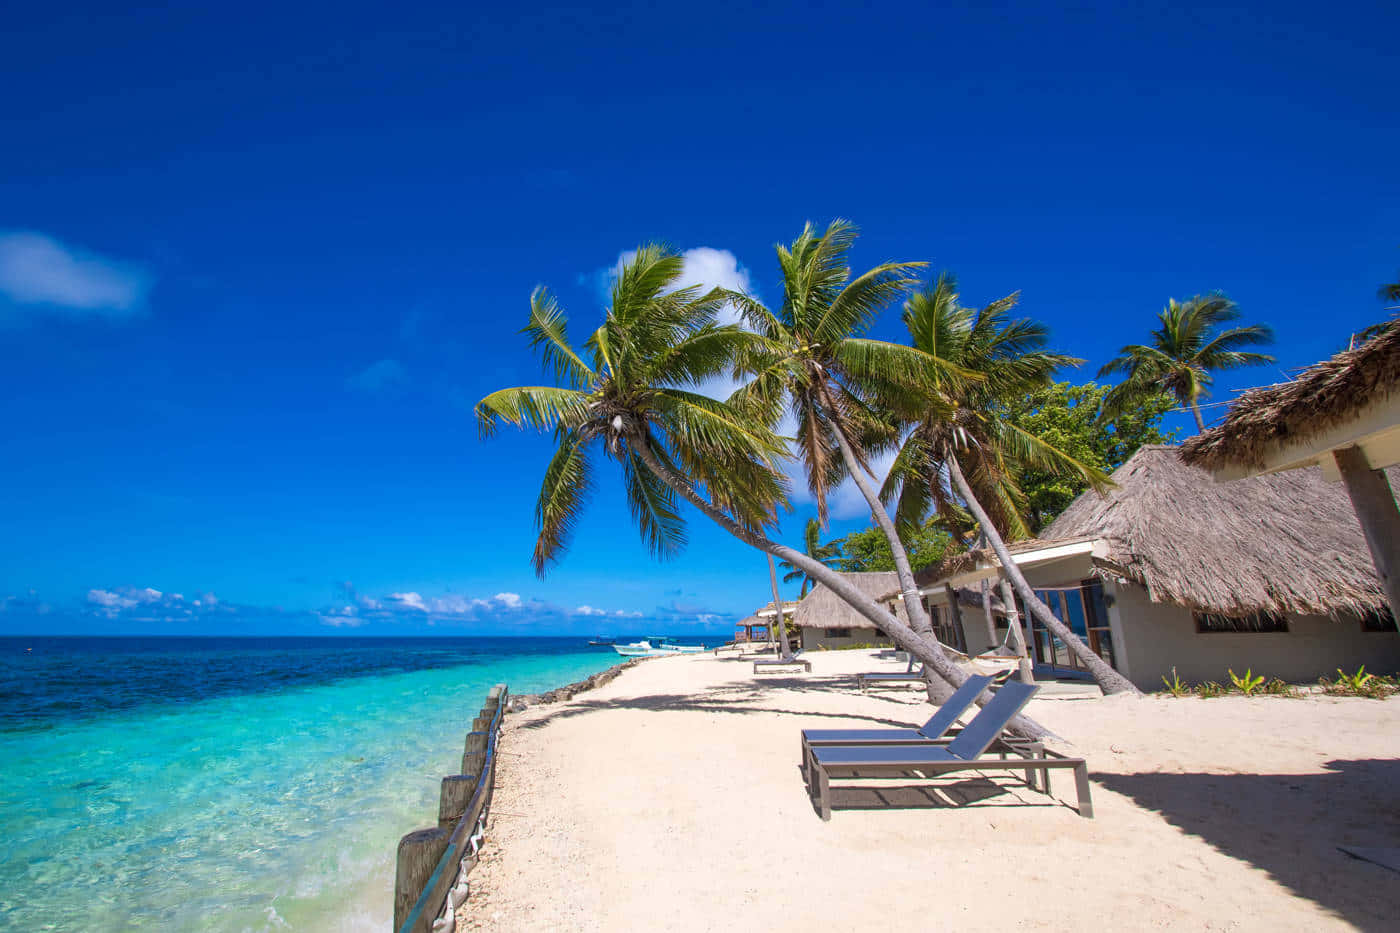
(640, 649)
(662, 648)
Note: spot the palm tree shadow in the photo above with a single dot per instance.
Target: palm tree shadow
(735, 700)
(1290, 825)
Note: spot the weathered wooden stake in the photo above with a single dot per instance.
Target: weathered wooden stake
(456, 794)
(419, 852)
(481, 723)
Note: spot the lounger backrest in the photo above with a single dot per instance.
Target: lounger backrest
(988, 723)
(953, 707)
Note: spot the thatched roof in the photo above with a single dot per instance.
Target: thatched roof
(1287, 542)
(822, 608)
(1323, 396)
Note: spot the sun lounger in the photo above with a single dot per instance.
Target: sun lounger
(964, 753)
(776, 663)
(939, 728)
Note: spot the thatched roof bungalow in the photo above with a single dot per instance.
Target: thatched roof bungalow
(1171, 569)
(1342, 415)
(828, 621)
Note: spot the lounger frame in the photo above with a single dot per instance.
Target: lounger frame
(1032, 758)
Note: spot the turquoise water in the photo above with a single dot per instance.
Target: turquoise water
(222, 784)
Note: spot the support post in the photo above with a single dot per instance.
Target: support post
(456, 794)
(1374, 503)
(418, 856)
(1018, 635)
(955, 611)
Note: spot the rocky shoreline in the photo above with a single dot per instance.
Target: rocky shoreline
(522, 701)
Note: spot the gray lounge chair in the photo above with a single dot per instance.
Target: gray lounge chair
(964, 753)
(795, 661)
(932, 731)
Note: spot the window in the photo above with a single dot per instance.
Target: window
(837, 633)
(1378, 620)
(1254, 622)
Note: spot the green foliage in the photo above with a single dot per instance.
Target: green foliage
(1192, 344)
(1066, 416)
(869, 550)
(1210, 689)
(1175, 687)
(1360, 684)
(1247, 684)
(1280, 688)
(625, 396)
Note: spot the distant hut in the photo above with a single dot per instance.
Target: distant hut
(1342, 415)
(828, 621)
(1171, 569)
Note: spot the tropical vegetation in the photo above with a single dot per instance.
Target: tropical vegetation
(986, 445)
(1192, 343)
(628, 396)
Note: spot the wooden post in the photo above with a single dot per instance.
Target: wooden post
(481, 724)
(456, 794)
(1374, 503)
(474, 756)
(1018, 635)
(955, 611)
(418, 856)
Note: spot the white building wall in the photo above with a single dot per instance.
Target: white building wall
(1150, 638)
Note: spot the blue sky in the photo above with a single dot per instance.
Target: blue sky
(258, 262)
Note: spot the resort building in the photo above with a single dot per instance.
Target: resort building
(1343, 416)
(1171, 569)
(827, 621)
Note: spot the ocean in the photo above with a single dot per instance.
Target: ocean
(235, 784)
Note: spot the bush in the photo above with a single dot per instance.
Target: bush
(1360, 684)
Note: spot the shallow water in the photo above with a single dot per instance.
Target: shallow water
(234, 784)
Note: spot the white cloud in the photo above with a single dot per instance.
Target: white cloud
(38, 273)
(509, 600)
(408, 601)
(590, 611)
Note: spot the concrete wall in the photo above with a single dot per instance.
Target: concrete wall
(814, 639)
(1150, 638)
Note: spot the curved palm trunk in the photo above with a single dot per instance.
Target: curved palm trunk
(925, 649)
(987, 615)
(909, 589)
(1110, 680)
(780, 624)
(1200, 422)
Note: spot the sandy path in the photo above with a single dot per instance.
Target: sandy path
(670, 799)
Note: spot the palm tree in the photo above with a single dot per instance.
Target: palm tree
(1185, 350)
(629, 401)
(813, 360)
(957, 428)
(828, 554)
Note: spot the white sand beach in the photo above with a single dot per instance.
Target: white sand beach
(670, 799)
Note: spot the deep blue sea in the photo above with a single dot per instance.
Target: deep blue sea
(230, 783)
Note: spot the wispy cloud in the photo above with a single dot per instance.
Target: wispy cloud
(39, 274)
(379, 378)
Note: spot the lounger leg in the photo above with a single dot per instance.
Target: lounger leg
(823, 791)
(1081, 787)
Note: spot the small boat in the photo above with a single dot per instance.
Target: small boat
(602, 641)
(640, 649)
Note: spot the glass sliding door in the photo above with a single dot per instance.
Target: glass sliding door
(1081, 608)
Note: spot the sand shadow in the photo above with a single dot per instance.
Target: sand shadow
(1289, 825)
(941, 795)
(735, 700)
